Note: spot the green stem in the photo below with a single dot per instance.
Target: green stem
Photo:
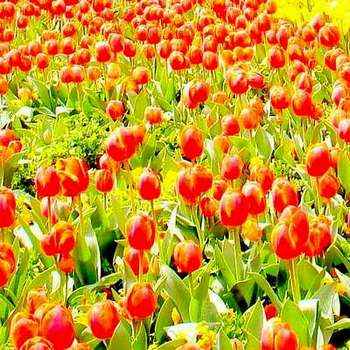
(49, 212)
(65, 289)
(294, 283)
(237, 254)
(198, 227)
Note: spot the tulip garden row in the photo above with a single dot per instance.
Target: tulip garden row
(175, 175)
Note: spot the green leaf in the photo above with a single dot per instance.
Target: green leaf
(140, 342)
(177, 291)
(265, 286)
(325, 296)
(87, 255)
(222, 342)
(344, 170)
(254, 318)
(344, 323)
(310, 309)
(223, 267)
(45, 95)
(264, 142)
(199, 296)
(171, 345)
(246, 288)
(292, 314)
(121, 338)
(164, 319)
(310, 277)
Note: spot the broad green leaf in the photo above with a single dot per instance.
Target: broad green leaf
(310, 309)
(223, 267)
(254, 318)
(264, 142)
(177, 291)
(292, 314)
(344, 170)
(140, 342)
(87, 254)
(343, 323)
(164, 319)
(265, 286)
(222, 342)
(310, 277)
(121, 338)
(172, 345)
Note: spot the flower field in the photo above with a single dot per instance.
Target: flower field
(174, 175)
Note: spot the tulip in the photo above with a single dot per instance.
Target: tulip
(278, 336)
(47, 182)
(56, 325)
(141, 232)
(187, 257)
(141, 301)
(137, 261)
(191, 142)
(74, 176)
(103, 319)
(7, 207)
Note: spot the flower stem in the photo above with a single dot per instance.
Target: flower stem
(294, 280)
(237, 254)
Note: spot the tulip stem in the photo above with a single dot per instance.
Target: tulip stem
(198, 227)
(105, 201)
(294, 280)
(153, 211)
(65, 288)
(237, 253)
(49, 209)
(80, 208)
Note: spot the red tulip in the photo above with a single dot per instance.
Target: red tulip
(278, 336)
(47, 182)
(7, 263)
(283, 194)
(141, 232)
(233, 209)
(320, 236)
(103, 319)
(104, 180)
(7, 207)
(187, 257)
(318, 160)
(149, 185)
(291, 233)
(191, 142)
(141, 301)
(55, 322)
(134, 258)
(74, 176)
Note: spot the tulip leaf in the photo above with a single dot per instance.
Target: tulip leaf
(164, 319)
(140, 342)
(292, 314)
(344, 170)
(343, 323)
(177, 291)
(172, 345)
(254, 318)
(265, 286)
(224, 267)
(87, 254)
(121, 338)
(222, 342)
(264, 142)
